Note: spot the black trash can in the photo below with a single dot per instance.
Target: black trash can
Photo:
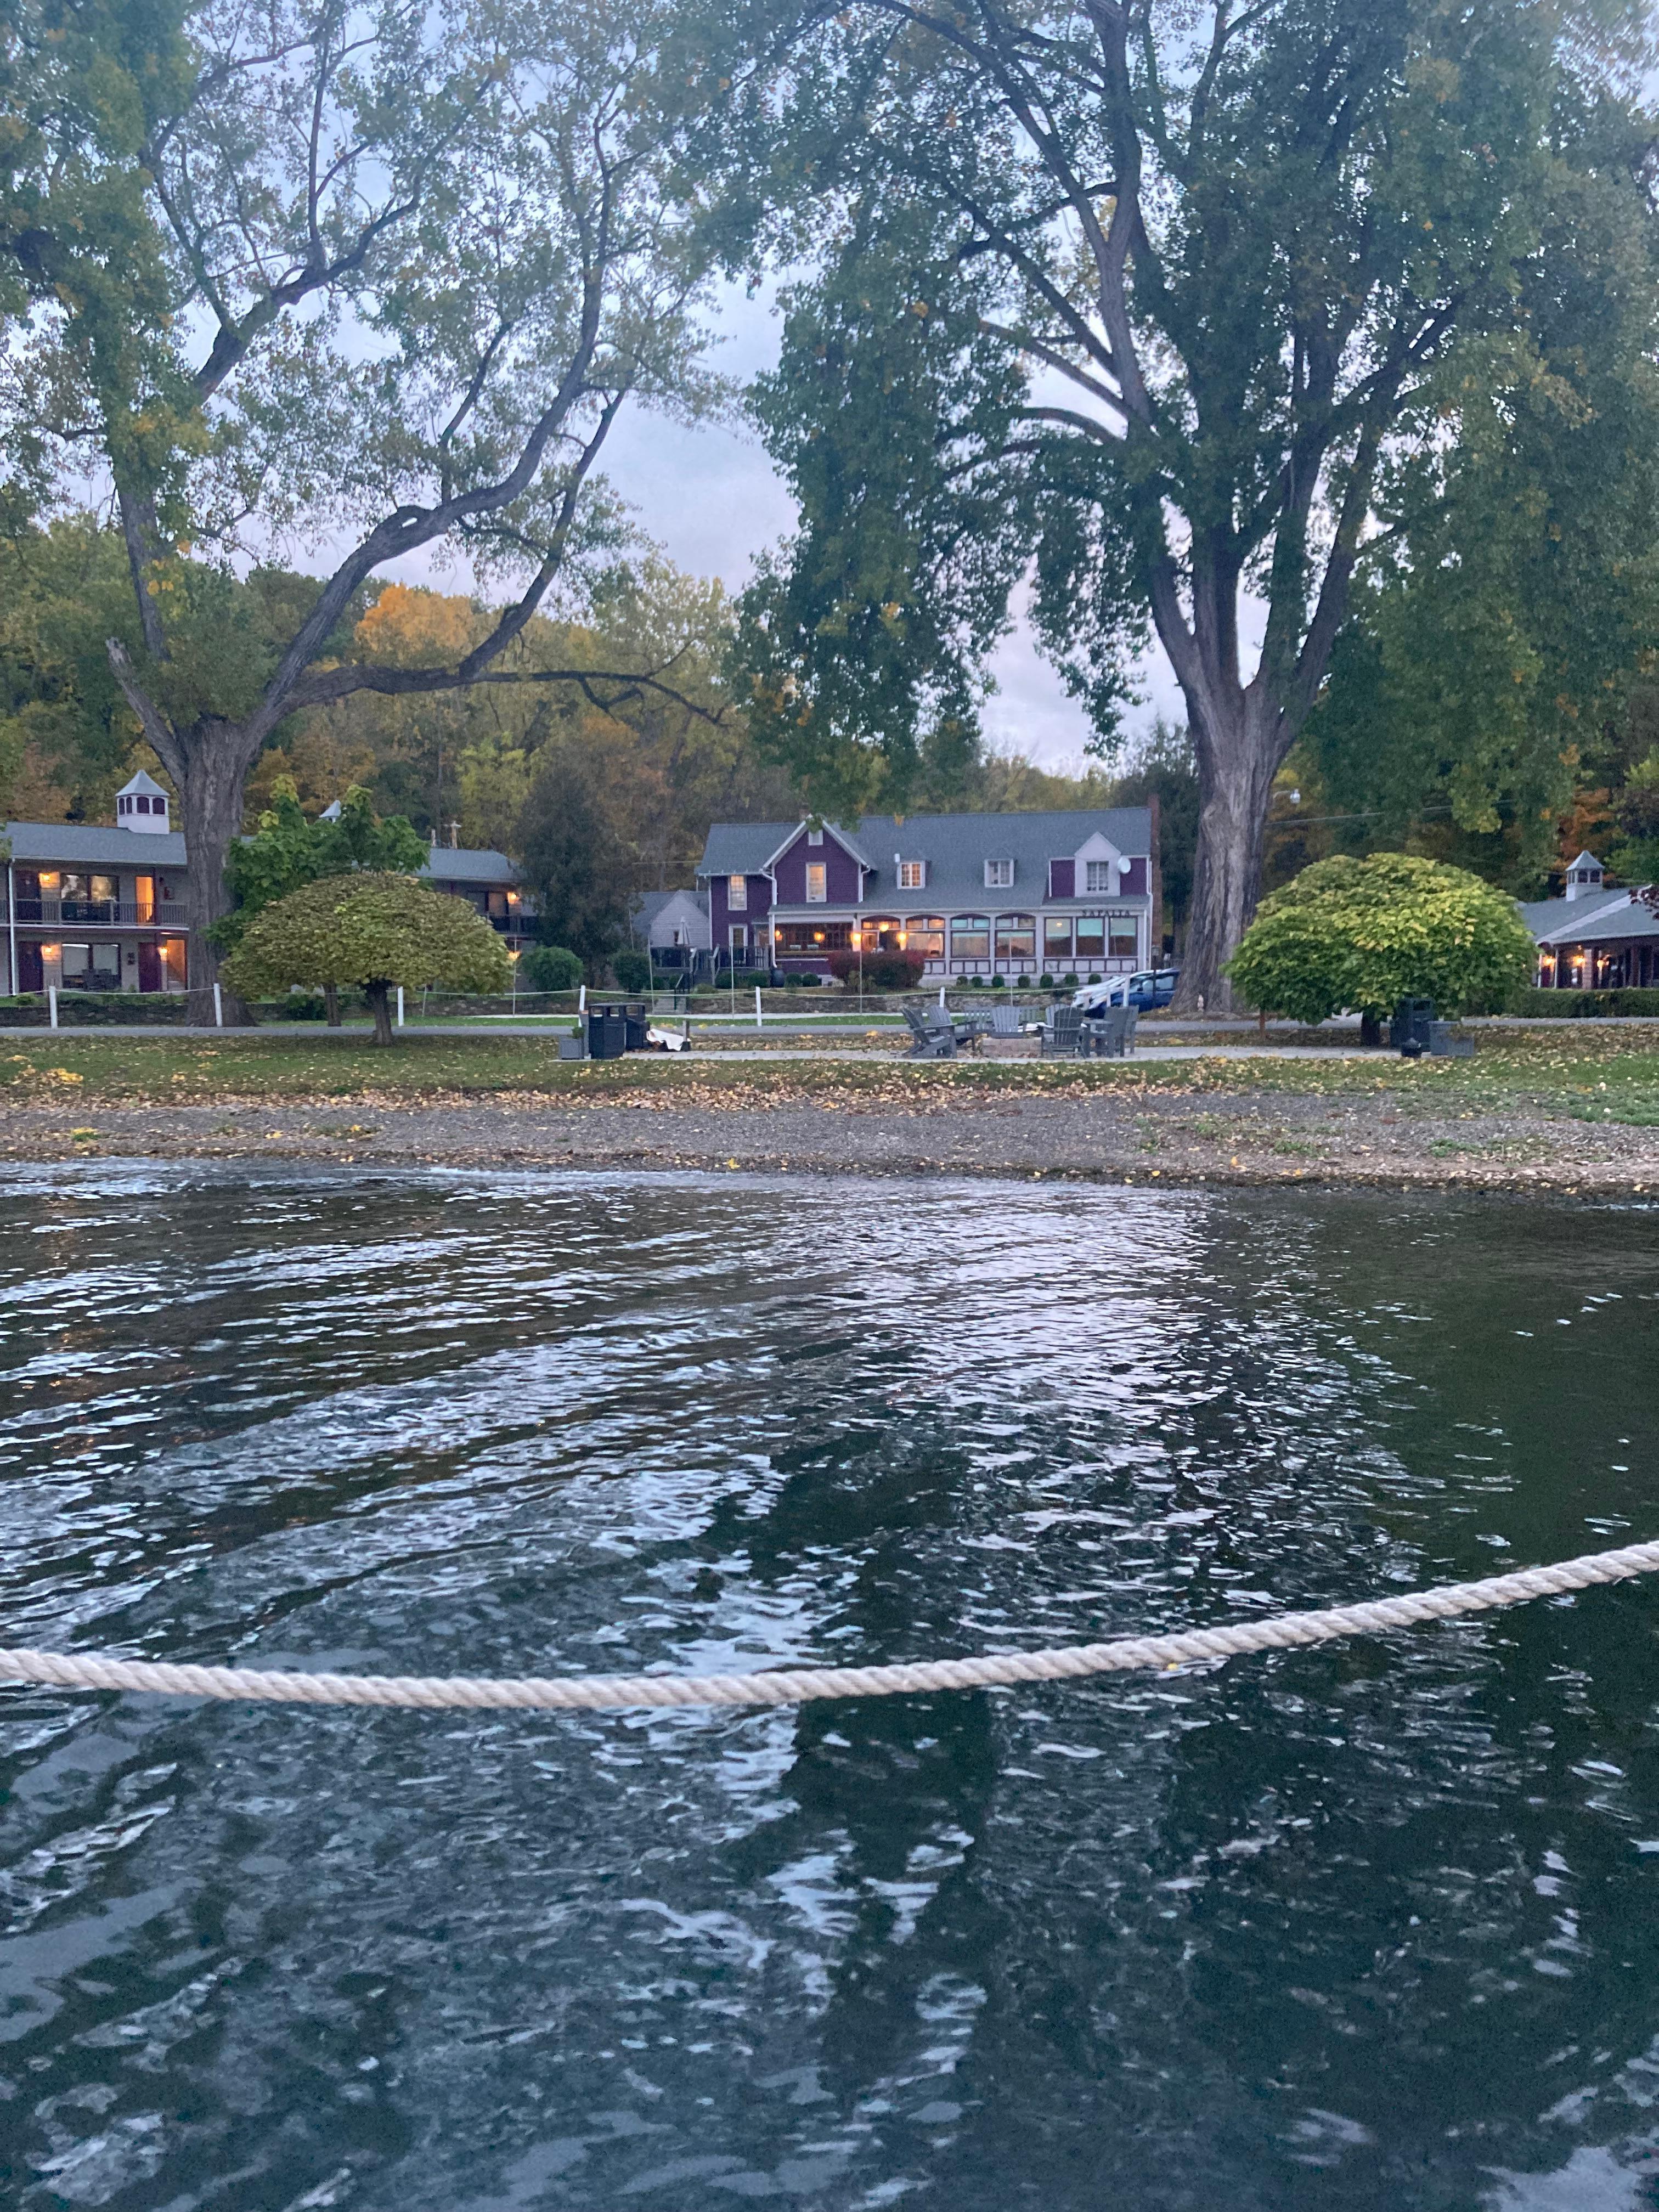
(1409, 1032)
(607, 1032)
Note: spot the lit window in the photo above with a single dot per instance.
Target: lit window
(1057, 937)
(926, 935)
(817, 883)
(1120, 942)
(1016, 937)
(999, 874)
(912, 875)
(737, 893)
(971, 937)
(1097, 876)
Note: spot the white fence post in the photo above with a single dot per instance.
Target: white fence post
(218, 1008)
(400, 1005)
(581, 999)
(51, 1004)
(757, 1006)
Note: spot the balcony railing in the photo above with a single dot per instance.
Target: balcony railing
(99, 914)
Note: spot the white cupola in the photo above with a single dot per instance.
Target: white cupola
(1584, 877)
(141, 806)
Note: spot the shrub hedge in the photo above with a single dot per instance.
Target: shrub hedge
(79, 1010)
(1581, 1005)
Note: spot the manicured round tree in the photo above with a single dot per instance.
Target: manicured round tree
(1361, 935)
(374, 930)
(551, 968)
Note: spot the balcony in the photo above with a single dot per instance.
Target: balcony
(98, 914)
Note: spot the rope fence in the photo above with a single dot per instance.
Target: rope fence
(795, 1685)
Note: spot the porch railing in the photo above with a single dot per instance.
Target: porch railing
(99, 914)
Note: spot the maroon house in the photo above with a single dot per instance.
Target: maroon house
(1015, 895)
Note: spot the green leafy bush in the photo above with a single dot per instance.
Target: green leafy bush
(375, 930)
(631, 969)
(1360, 935)
(882, 971)
(549, 968)
(289, 850)
(1581, 1006)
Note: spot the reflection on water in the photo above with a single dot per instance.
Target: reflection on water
(1368, 1926)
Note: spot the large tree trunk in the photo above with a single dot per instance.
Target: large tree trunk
(211, 790)
(1238, 744)
(380, 1004)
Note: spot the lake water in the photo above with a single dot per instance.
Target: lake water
(1371, 1926)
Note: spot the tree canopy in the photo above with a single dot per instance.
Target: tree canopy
(381, 278)
(1147, 302)
(374, 930)
(1357, 936)
(289, 849)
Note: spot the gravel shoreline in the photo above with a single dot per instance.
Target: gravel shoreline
(1237, 1137)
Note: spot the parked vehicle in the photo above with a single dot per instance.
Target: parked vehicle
(1150, 987)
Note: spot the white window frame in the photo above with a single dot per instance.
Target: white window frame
(817, 883)
(815, 836)
(737, 894)
(913, 875)
(995, 880)
(1104, 887)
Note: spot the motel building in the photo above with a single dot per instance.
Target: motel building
(1592, 938)
(92, 909)
(1019, 896)
(105, 909)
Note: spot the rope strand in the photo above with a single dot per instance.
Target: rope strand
(795, 1685)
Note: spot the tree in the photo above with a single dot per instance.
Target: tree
(1497, 651)
(1361, 935)
(551, 968)
(1162, 772)
(384, 277)
(288, 850)
(374, 930)
(575, 858)
(1224, 253)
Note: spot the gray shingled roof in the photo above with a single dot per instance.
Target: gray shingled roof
(453, 864)
(649, 904)
(954, 845)
(77, 841)
(1581, 922)
(1542, 915)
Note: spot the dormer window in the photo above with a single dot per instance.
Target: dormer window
(1097, 877)
(815, 836)
(913, 875)
(999, 875)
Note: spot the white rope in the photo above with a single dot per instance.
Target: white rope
(91, 1671)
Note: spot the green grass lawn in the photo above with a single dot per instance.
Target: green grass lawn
(1594, 1075)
